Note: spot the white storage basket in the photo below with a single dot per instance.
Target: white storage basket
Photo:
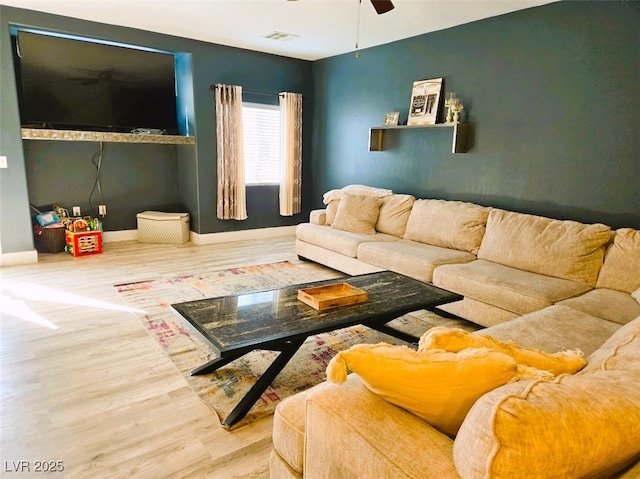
(159, 227)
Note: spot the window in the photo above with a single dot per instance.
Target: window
(261, 133)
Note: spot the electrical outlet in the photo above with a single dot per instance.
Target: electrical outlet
(3, 161)
(102, 210)
(76, 211)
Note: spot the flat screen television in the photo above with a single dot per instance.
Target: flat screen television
(65, 83)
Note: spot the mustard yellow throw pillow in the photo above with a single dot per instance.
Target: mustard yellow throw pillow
(438, 386)
(456, 339)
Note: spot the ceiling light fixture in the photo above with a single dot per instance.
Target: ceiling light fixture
(281, 36)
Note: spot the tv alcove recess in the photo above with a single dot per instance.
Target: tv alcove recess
(70, 84)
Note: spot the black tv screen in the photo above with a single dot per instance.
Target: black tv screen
(65, 83)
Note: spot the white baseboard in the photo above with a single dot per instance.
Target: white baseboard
(210, 238)
(31, 257)
(228, 236)
(21, 257)
(123, 235)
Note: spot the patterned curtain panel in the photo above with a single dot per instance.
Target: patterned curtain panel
(232, 203)
(291, 153)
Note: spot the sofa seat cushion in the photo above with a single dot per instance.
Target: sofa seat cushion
(582, 425)
(352, 433)
(410, 258)
(449, 224)
(555, 328)
(505, 287)
(564, 249)
(438, 386)
(343, 242)
(605, 303)
(621, 259)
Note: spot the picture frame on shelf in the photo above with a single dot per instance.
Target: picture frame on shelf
(391, 118)
(425, 102)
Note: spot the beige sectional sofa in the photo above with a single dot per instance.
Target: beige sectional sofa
(585, 425)
(505, 264)
(543, 283)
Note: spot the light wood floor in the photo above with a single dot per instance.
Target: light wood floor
(96, 392)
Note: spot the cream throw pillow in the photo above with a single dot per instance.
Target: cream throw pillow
(357, 214)
(438, 386)
(456, 339)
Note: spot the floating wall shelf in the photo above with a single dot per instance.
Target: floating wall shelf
(71, 135)
(459, 144)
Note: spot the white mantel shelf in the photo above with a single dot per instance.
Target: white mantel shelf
(71, 135)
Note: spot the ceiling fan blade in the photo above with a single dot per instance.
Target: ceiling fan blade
(382, 6)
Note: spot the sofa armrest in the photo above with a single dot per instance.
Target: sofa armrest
(318, 217)
(370, 437)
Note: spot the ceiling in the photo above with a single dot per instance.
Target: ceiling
(322, 28)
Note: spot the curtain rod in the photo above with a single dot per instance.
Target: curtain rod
(213, 87)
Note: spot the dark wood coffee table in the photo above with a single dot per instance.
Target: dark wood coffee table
(277, 320)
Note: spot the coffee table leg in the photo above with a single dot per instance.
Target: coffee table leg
(383, 328)
(246, 403)
(216, 363)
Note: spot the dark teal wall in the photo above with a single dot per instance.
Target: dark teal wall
(139, 177)
(552, 95)
(256, 72)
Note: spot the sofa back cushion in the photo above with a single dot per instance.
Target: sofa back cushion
(394, 213)
(449, 224)
(621, 268)
(583, 425)
(564, 249)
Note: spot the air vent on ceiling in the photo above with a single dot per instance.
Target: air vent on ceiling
(281, 36)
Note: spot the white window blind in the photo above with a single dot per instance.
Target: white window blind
(261, 132)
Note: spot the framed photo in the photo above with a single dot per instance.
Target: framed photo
(391, 118)
(425, 102)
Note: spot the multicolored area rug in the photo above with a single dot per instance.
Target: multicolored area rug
(223, 389)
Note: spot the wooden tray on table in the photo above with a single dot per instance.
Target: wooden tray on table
(332, 296)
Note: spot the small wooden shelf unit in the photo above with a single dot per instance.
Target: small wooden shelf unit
(459, 143)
